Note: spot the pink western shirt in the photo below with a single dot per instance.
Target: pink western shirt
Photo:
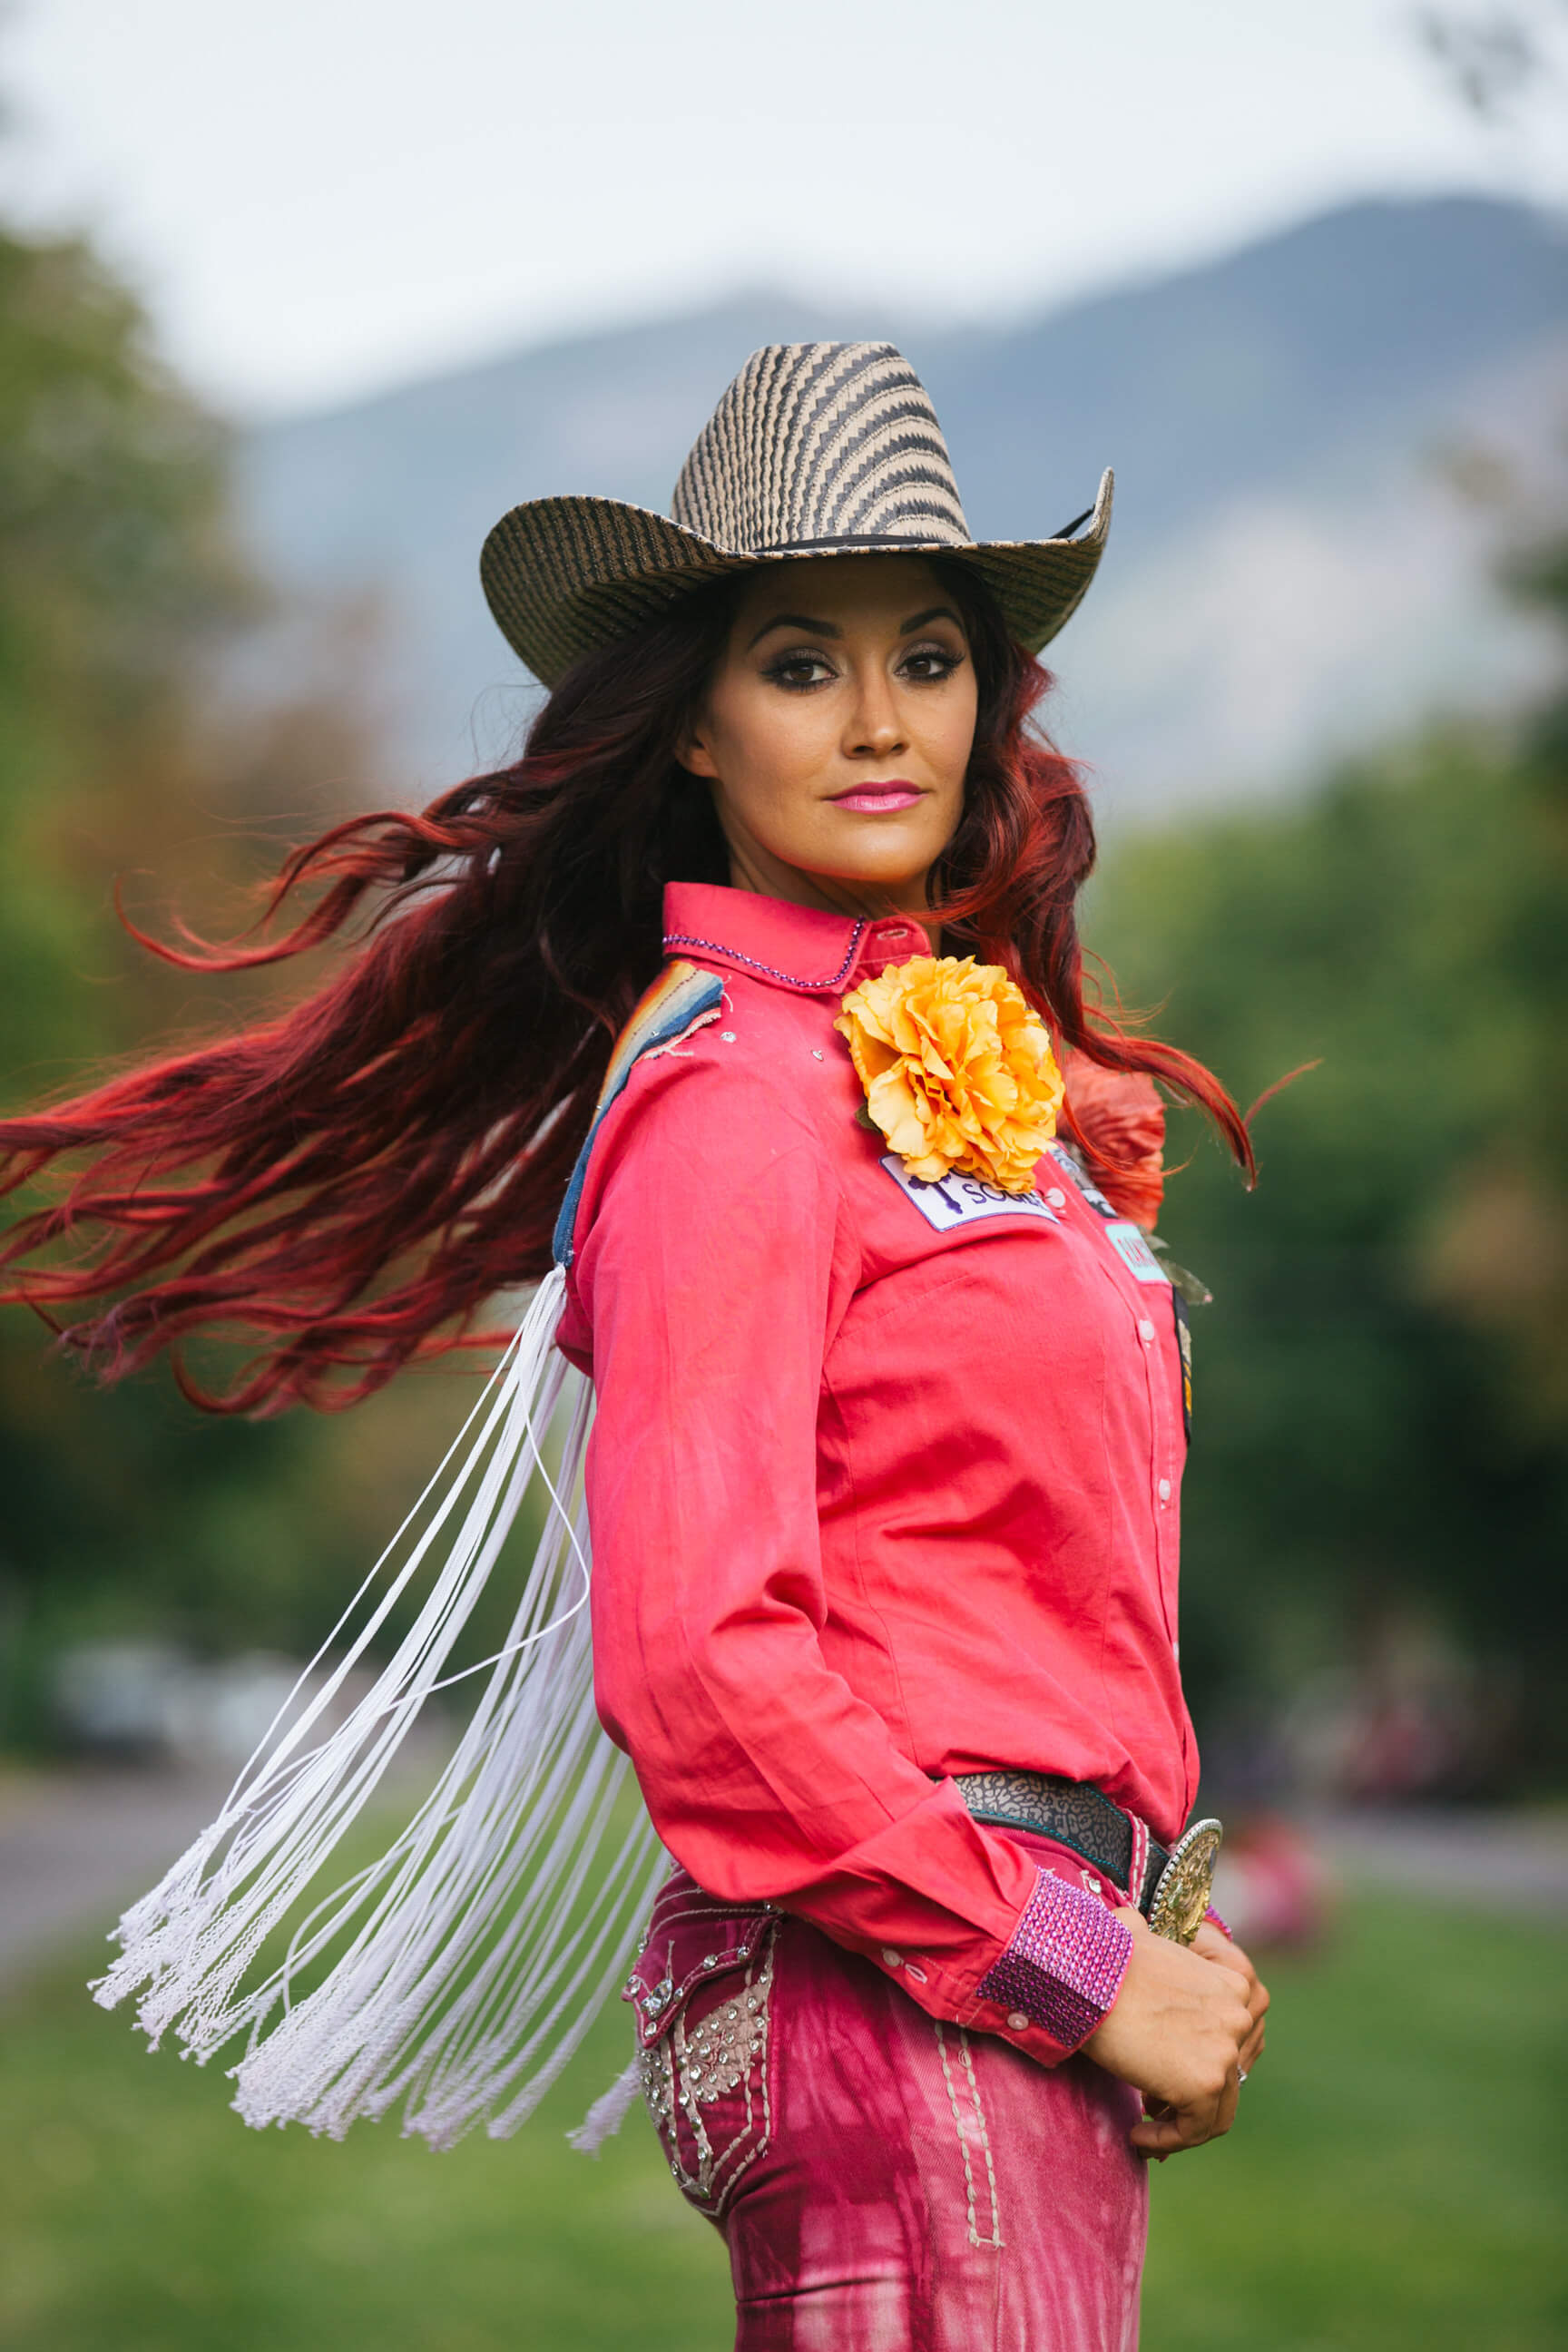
(882, 1484)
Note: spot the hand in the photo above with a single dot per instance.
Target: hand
(1176, 2032)
(1213, 1945)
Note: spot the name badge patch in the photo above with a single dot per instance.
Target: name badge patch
(1127, 1240)
(964, 1200)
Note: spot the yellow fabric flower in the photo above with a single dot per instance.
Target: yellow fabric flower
(957, 1067)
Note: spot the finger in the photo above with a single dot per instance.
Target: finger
(1225, 2115)
(1224, 1954)
(1169, 2134)
(1240, 1987)
(1243, 1960)
(1182, 2128)
(1209, 1944)
(1252, 2049)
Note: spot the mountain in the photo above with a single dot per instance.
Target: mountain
(1291, 568)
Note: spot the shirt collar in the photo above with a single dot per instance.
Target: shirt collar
(803, 947)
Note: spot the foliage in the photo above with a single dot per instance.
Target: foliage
(1389, 2185)
(124, 746)
(1382, 1393)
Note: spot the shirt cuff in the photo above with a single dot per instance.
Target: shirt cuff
(1064, 1966)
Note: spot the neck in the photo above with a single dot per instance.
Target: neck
(752, 868)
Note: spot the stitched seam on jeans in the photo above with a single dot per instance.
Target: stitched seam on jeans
(996, 2237)
(958, 2127)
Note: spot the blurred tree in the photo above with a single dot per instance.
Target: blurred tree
(124, 747)
(1382, 1414)
(113, 569)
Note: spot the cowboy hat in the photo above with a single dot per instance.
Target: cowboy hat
(815, 449)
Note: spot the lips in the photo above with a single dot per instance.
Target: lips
(878, 800)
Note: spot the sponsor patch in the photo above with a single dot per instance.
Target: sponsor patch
(1131, 1247)
(964, 1200)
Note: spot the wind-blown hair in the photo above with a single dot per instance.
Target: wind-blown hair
(351, 1182)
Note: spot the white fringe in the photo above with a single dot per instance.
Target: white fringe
(481, 1945)
(608, 2112)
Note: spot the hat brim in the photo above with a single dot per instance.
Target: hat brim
(566, 576)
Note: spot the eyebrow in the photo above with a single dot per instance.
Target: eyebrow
(796, 621)
(829, 629)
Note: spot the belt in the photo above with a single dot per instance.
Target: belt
(1170, 1887)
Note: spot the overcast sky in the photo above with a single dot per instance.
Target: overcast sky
(319, 197)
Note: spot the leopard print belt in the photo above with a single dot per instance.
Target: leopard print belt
(1170, 1887)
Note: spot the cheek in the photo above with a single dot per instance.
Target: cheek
(942, 731)
(953, 737)
(770, 746)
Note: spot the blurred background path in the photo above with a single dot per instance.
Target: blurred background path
(76, 1846)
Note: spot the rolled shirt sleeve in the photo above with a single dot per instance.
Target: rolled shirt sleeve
(712, 1260)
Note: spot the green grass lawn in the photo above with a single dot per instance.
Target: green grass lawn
(1395, 2181)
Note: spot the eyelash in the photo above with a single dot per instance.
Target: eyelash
(800, 657)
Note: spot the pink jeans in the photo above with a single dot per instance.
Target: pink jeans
(884, 2183)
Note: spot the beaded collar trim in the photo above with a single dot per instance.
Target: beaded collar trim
(673, 939)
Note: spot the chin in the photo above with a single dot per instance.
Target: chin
(880, 864)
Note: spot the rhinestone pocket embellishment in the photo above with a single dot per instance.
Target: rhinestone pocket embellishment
(694, 2066)
(717, 2056)
(657, 2089)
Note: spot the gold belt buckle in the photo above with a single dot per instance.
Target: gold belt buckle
(1182, 1892)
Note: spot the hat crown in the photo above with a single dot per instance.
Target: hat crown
(818, 444)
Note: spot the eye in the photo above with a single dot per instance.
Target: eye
(928, 665)
(799, 669)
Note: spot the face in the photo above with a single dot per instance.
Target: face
(836, 731)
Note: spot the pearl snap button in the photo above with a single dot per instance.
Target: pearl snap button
(1146, 1330)
(728, 1035)
(816, 1053)
(892, 1960)
(1056, 1198)
(1016, 2020)
(1164, 1490)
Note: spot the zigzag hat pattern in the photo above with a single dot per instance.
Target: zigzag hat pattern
(815, 449)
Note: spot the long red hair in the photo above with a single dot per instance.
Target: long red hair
(350, 1183)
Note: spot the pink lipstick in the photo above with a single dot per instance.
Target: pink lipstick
(880, 799)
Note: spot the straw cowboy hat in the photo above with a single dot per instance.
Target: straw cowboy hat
(815, 449)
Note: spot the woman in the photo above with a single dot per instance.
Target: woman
(890, 1390)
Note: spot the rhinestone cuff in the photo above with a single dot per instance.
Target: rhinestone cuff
(1215, 1921)
(1064, 1964)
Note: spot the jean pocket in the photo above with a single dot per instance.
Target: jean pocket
(702, 1989)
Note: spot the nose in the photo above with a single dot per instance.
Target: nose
(875, 733)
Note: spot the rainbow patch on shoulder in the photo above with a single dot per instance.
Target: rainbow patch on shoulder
(682, 999)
